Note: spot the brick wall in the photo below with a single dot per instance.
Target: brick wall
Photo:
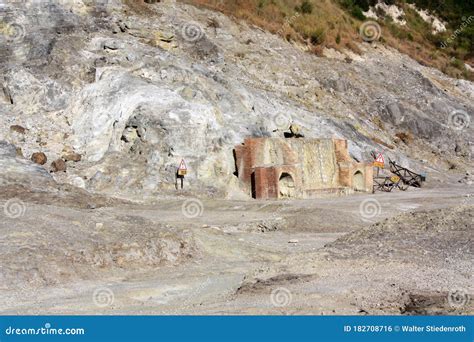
(266, 182)
(256, 158)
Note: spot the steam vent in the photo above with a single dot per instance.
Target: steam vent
(272, 168)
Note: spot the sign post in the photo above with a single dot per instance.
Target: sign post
(181, 172)
(379, 162)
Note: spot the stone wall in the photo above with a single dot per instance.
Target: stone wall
(299, 168)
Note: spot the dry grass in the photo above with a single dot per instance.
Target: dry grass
(381, 142)
(326, 25)
(329, 25)
(406, 137)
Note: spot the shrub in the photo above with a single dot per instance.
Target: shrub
(363, 4)
(457, 63)
(317, 36)
(306, 7)
(357, 12)
(406, 137)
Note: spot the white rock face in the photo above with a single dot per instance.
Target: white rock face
(393, 11)
(134, 94)
(437, 24)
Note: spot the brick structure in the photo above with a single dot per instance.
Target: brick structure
(299, 168)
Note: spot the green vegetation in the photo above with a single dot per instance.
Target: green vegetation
(460, 18)
(306, 7)
(335, 24)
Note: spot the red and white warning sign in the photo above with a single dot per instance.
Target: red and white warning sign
(182, 169)
(379, 161)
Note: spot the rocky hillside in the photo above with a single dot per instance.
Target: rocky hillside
(437, 33)
(116, 93)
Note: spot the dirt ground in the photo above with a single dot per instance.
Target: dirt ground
(389, 253)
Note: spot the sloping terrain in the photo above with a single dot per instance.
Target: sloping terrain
(135, 92)
(437, 33)
(100, 101)
(320, 257)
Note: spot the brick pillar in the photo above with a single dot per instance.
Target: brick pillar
(345, 174)
(252, 146)
(340, 148)
(266, 183)
(272, 176)
(369, 178)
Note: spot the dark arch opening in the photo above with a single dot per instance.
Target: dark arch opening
(358, 181)
(286, 185)
(253, 188)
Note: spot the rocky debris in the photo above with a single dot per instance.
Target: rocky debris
(17, 128)
(442, 234)
(262, 285)
(164, 40)
(16, 171)
(166, 37)
(295, 132)
(39, 158)
(429, 303)
(58, 165)
(19, 152)
(133, 94)
(62, 243)
(77, 252)
(270, 225)
(80, 182)
(467, 179)
(462, 149)
(72, 156)
(130, 134)
(7, 149)
(111, 45)
(123, 26)
(7, 95)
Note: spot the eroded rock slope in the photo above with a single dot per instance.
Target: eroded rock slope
(134, 90)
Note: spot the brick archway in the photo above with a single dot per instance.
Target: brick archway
(286, 186)
(358, 181)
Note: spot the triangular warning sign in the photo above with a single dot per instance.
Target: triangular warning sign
(182, 169)
(379, 161)
(182, 165)
(380, 158)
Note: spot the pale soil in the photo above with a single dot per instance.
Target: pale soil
(230, 259)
